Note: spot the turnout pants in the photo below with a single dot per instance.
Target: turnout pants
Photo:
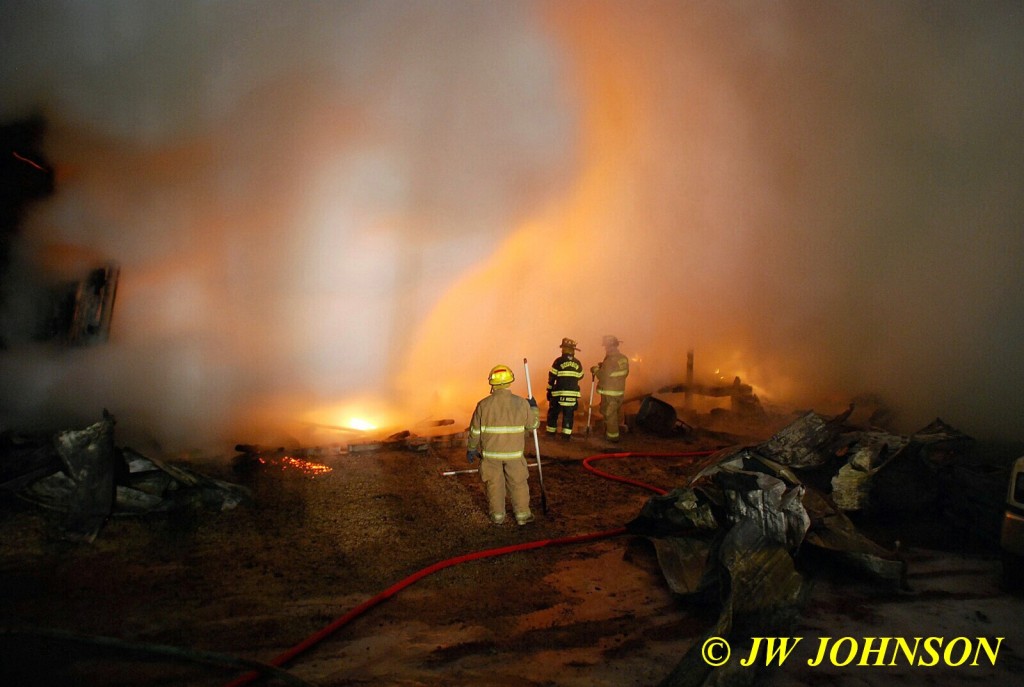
(568, 414)
(506, 477)
(610, 406)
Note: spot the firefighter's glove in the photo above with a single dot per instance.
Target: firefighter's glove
(533, 402)
(549, 396)
(594, 369)
(472, 454)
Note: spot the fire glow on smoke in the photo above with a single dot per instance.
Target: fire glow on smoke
(324, 205)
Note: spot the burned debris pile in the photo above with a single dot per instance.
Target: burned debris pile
(85, 477)
(252, 456)
(741, 528)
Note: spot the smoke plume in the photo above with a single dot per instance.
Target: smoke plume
(333, 211)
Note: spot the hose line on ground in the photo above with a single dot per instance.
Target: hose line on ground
(589, 460)
(362, 608)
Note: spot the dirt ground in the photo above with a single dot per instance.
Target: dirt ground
(254, 582)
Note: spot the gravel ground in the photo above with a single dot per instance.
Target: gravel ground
(255, 581)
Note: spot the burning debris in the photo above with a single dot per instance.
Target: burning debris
(86, 477)
(251, 457)
(306, 459)
(742, 399)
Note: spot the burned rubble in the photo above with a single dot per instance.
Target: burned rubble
(86, 478)
(742, 528)
(743, 539)
(249, 456)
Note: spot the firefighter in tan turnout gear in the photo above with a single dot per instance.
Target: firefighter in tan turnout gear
(564, 389)
(497, 435)
(611, 376)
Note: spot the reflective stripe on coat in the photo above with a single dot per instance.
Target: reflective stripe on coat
(564, 380)
(500, 423)
(611, 375)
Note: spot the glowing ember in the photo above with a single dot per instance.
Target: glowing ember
(306, 467)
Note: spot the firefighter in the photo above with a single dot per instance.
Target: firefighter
(564, 389)
(611, 376)
(497, 435)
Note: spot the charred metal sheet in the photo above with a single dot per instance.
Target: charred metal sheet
(889, 473)
(93, 480)
(871, 453)
(53, 492)
(681, 510)
(686, 564)
(765, 516)
(760, 515)
(832, 531)
(682, 527)
(801, 443)
(155, 482)
(766, 595)
(748, 510)
(136, 501)
(88, 458)
(941, 443)
(766, 503)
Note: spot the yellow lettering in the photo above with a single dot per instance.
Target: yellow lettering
(749, 660)
(868, 650)
(983, 644)
(949, 651)
(929, 643)
(773, 652)
(908, 653)
(783, 651)
(822, 643)
(849, 657)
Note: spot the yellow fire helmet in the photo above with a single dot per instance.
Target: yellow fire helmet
(609, 340)
(570, 343)
(500, 374)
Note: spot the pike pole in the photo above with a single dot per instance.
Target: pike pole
(469, 471)
(590, 403)
(536, 446)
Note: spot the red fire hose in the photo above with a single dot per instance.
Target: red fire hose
(340, 622)
(587, 463)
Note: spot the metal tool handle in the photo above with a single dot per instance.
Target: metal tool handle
(590, 403)
(536, 443)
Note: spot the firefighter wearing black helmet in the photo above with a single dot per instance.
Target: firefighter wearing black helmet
(564, 389)
(497, 436)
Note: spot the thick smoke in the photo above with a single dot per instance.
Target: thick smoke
(332, 210)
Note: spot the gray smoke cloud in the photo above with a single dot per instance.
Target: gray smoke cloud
(368, 204)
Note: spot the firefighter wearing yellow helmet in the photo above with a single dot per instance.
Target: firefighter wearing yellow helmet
(611, 376)
(497, 436)
(564, 389)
